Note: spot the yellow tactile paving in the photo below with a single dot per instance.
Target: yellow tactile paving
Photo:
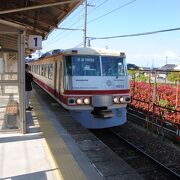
(65, 162)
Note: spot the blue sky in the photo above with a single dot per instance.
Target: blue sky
(138, 16)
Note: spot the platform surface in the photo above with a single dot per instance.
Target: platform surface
(43, 153)
(25, 157)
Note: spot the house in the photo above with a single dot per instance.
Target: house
(168, 67)
(162, 74)
(177, 68)
(132, 67)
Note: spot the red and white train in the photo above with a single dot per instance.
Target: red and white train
(91, 83)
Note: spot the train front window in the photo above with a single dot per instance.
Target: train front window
(112, 66)
(83, 66)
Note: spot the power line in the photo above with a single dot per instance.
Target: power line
(138, 34)
(69, 21)
(112, 11)
(94, 19)
(64, 34)
(103, 14)
(78, 45)
(76, 13)
(98, 6)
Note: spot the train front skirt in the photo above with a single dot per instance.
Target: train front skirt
(88, 120)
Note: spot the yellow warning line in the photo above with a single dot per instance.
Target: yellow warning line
(64, 160)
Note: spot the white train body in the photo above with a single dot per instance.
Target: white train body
(91, 83)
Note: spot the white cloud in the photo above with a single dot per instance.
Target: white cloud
(154, 59)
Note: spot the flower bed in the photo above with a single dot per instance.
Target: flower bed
(159, 100)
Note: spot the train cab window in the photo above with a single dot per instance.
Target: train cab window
(83, 66)
(68, 66)
(113, 66)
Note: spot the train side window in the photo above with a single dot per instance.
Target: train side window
(44, 67)
(50, 71)
(36, 69)
(46, 70)
(42, 70)
(39, 69)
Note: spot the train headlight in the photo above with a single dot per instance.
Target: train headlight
(116, 100)
(121, 99)
(86, 101)
(79, 101)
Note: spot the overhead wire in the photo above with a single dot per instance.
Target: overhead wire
(124, 5)
(137, 34)
(77, 13)
(78, 45)
(98, 6)
(67, 33)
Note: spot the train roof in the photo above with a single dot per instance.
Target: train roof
(93, 51)
(51, 53)
(83, 51)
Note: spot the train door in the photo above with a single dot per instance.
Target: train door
(55, 77)
(59, 77)
(61, 84)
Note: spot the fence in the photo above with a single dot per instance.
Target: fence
(156, 93)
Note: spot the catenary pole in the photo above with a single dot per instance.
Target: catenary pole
(85, 21)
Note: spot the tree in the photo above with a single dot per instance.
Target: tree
(173, 76)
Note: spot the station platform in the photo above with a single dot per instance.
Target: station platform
(57, 147)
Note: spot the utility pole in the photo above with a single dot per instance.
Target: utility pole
(152, 66)
(89, 42)
(85, 21)
(166, 72)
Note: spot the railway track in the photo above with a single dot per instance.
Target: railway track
(146, 165)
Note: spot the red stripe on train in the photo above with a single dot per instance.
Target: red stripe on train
(96, 92)
(52, 91)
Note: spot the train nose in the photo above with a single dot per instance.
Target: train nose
(101, 104)
(101, 101)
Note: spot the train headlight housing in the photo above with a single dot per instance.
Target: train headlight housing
(116, 100)
(71, 101)
(128, 99)
(79, 101)
(86, 101)
(121, 99)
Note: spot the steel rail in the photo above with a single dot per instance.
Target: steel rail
(147, 155)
